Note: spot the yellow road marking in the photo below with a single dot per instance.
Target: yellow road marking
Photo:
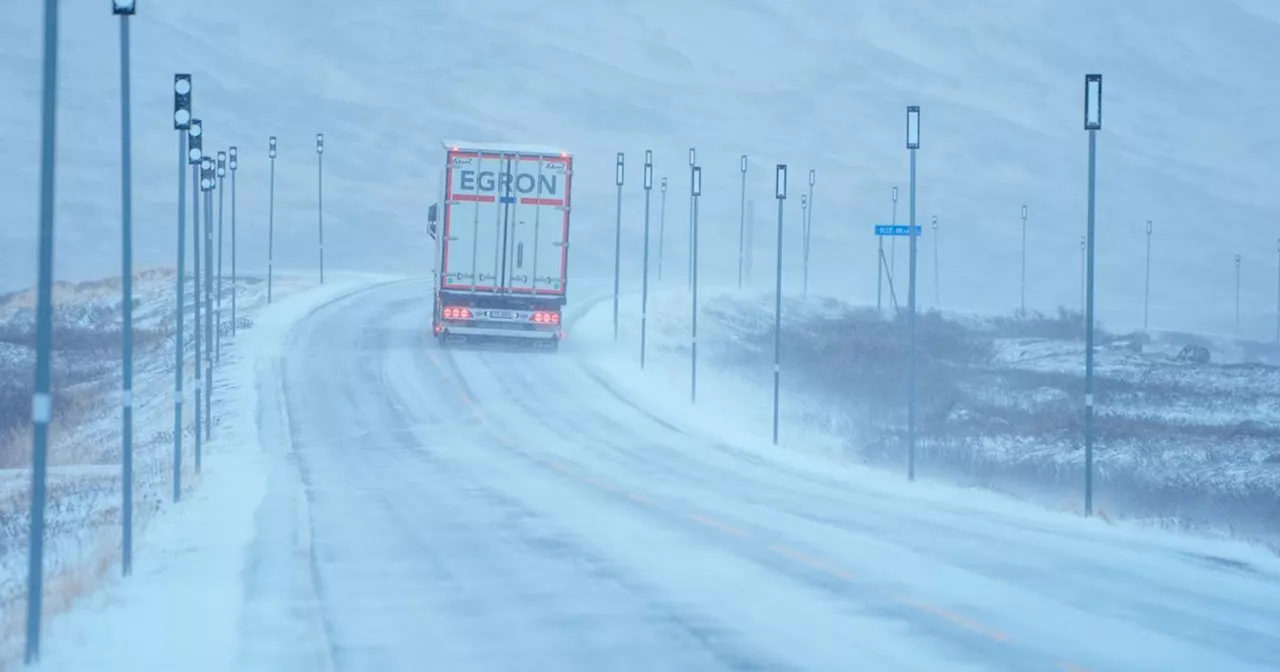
(957, 619)
(712, 522)
(811, 562)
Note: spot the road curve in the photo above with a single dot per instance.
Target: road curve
(490, 510)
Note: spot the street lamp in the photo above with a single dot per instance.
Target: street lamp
(644, 287)
(937, 285)
(233, 163)
(182, 123)
(1146, 293)
(195, 155)
(804, 245)
(320, 197)
(125, 9)
(1092, 124)
(742, 219)
(913, 144)
(695, 194)
(617, 244)
(42, 400)
(1022, 301)
(780, 193)
(222, 174)
(693, 161)
(807, 222)
(662, 226)
(271, 218)
(1237, 294)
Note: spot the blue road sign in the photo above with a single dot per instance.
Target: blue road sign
(896, 230)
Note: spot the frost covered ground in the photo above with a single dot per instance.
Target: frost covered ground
(83, 515)
(1178, 444)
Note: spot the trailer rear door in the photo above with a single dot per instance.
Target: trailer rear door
(506, 221)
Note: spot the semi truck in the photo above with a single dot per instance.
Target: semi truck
(502, 250)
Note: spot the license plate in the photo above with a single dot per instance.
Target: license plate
(502, 315)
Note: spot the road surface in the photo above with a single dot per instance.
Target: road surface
(489, 510)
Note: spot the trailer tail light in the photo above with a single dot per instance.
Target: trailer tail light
(457, 313)
(545, 317)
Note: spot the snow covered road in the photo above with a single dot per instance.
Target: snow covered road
(465, 509)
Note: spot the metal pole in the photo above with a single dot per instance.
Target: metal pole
(913, 144)
(197, 204)
(937, 284)
(41, 401)
(662, 225)
(179, 341)
(693, 154)
(751, 239)
(1278, 290)
(780, 192)
(644, 291)
(1082, 271)
(808, 229)
(617, 246)
(879, 272)
(234, 161)
(893, 242)
(1022, 301)
(208, 312)
(126, 279)
(804, 246)
(1088, 346)
(742, 221)
(271, 220)
(320, 202)
(1146, 292)
(695, 194)
(911, 319)
(218, 293)
(1237, 294)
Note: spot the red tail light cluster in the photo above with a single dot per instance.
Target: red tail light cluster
(457, 313)
(545, 317)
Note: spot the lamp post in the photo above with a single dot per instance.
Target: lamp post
(804, 247)
(1146, 292)
(644, 286)
(695, 192)
(188, 152)
(1278, 290)
(1022, 300)
(124, 9)
(913, 144)
(742, 219)
(222, 175)
(1092, 124)
(807, 220)
(41, 400)
(271, 218)
(208, 176)
(233, 163)
(617, 244)
(202, 295)
(662, 225)
(937, 284)
(1083, 258)
(1237, 295)
(780, 193)
(320, 197)
(893, 244)
(693, 160)
(196, 137)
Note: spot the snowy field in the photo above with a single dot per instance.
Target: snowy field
(1179, 444)
(83, 515)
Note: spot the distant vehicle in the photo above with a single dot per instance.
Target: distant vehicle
(502, 250)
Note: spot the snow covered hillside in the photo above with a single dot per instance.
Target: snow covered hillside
(816, 84)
